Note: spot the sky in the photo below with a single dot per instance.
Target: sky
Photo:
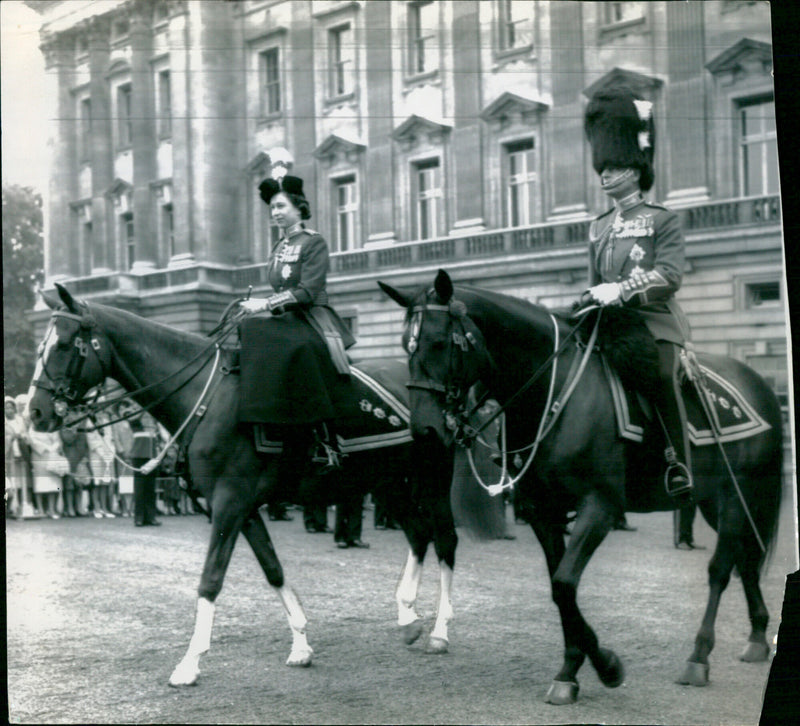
(23, 107)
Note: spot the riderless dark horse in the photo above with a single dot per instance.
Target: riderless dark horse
(562, 422)
(188, 382)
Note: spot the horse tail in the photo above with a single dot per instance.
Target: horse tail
(473, 507)
(771, 497)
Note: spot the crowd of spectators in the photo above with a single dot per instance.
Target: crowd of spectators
(81, 471)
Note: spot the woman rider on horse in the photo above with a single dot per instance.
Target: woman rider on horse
(637, 255)
(293, 358)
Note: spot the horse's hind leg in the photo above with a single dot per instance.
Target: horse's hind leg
(591, 526)
(256, 533)
(748, 562)
(719, 574)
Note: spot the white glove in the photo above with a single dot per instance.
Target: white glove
(254, 304)
(606, 293)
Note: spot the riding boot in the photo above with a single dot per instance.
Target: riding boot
(326, 452)
(669, 405)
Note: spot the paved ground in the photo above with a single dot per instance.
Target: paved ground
(99, 613)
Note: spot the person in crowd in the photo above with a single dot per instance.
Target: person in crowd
(122, 440)
(146, 440)
(683, 528)
(315, 518)
(349, 520)
(22, 411)
(637, 256)
(77, 483)
(16, 441)
(293, 356)
(50, 468)
(101, 463)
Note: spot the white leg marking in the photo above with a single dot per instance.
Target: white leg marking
(444, 612)
(407, 589)
(301, 651)
(186, 672)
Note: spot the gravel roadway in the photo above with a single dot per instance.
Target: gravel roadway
(99, 613)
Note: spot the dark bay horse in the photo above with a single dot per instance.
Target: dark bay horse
(186, 382)
(458, 336)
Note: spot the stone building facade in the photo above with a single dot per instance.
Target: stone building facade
(429, 134)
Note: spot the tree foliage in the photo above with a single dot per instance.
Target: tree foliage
(23, 263)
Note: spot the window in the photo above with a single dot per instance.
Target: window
(167, 224)
(84, 129)
(342, 60)
(422, 25)
(127, 237)
(762, 293)
(521, 183)
(270, 81)
(428, 183)
(758, 148)
(164, 104)
(516, 24)
(346, 192)
(622, 12)
(124, 128)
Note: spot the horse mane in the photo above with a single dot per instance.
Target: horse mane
(163, 333)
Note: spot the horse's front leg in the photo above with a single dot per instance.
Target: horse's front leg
(226, 522)
(591, 526)
(445, 543)
(256, 533)
(406, 597)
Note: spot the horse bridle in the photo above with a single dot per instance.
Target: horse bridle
(464, 335)
(63, 389)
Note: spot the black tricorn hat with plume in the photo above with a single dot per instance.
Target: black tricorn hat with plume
(289, 184)
(619, 126)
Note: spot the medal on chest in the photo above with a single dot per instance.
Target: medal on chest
(286, 272)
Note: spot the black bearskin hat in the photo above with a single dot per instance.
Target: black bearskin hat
(289, 184)
(619, 126)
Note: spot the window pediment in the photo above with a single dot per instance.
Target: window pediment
(416, 127)
(747, 53)
(512, 106)
(121, 194)
(638, 82)
(260, 163)
(338, 146)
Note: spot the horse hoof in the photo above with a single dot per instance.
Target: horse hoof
(300, 658)
(755, 653)
(561, 693)
(412, 631)
(437, 646)
(695, 674)
(611, 672)
(183, 677)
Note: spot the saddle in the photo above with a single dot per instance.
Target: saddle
(734, 416)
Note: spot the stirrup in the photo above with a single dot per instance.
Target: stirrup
(328, 456)
(677, 478)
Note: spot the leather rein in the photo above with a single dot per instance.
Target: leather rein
(457, 414)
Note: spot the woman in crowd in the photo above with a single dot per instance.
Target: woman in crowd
(50, 466)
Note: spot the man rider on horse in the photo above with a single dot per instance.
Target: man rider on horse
(637, 254)
(293, 357)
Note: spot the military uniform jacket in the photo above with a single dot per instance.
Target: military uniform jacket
(299, 267)
(643, 249)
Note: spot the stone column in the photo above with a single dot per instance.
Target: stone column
(569, 148)
(182, 169)
(101, 154)
(380, 219)
(60, 235)
(466, 138)
(143, 136)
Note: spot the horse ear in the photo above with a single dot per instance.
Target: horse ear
(443, 286)
(67, 299)
(403, 299)
(49, 300)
